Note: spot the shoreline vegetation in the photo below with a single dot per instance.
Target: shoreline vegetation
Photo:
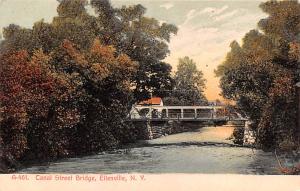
(68, 86)
(261, 74)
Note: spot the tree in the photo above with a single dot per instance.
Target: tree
(105, 94)
(78, 106)
(36, 107)
(260, 75)
(189, 85)
(68, 86)
(143, 39)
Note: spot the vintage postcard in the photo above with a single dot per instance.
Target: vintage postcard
(150, 94)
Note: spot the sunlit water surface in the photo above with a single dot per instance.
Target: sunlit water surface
(206, 150)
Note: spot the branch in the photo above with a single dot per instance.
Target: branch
(285, 170)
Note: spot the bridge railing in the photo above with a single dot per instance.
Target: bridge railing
(180, 112)
(176, 116)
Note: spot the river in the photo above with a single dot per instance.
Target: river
(205, 150)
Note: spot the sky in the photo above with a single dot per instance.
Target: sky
(206, 27)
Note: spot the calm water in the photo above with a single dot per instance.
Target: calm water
(205, 150)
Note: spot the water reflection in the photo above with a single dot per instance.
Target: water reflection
(206, 150)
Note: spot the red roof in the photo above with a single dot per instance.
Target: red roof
(152, 101)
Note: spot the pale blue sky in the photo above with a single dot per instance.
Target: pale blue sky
(206, 28)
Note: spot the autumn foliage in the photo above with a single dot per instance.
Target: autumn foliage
(260, 76)
(51, 111)
(67, 86)
(31, 92)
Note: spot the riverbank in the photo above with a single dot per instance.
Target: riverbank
(139, 132)
(205, 150)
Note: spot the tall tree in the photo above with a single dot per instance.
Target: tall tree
(143, 39)
(189, 85)
(77, 77)
(105, 89)
(261, 73)
(37, 106)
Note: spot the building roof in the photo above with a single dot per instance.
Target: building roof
(152, 101)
